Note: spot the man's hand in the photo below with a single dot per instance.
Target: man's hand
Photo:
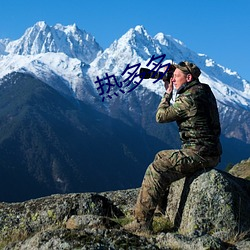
(168, 85)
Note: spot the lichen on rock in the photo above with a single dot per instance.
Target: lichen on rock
(209, 210)
(211, 202)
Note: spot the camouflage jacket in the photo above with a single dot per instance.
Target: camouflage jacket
(195, 111)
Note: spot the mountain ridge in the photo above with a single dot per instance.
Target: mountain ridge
(78, 80)
(125, 124)
(42, 38)
(55, 144)
(135, 46)
(141, 51)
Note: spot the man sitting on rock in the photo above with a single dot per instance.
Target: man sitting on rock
(195, 111)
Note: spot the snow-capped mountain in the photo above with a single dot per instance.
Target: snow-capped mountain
(64, 73)
(41, 38)
(3, 43)
(136, 46)
(70, 60)
(50, 54)
(68, 52)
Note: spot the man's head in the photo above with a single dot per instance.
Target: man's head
(185, 72)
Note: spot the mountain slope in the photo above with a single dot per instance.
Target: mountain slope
(52, 144)
(44, 130)
(42, 38)
(231, 91)
(136, 46)
(65, 74)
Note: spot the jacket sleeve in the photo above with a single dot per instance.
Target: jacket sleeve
(182, 108)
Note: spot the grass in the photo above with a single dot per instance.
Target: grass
(238, 237)
(160, 223)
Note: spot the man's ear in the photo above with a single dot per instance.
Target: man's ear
(189, 77)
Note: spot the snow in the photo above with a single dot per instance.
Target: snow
(42, 38)
(74, 56)
(44, 65)
(136, 46)
(209, 63)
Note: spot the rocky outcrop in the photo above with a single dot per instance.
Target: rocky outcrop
(241, 169)
(209, 210)
(210, 202)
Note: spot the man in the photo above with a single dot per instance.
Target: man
(195, 111)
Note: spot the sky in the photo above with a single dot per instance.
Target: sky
(217, 28)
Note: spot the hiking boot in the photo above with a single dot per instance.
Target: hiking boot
(140, 227)
(159, 211)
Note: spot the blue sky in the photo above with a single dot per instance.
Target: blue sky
(218, 28)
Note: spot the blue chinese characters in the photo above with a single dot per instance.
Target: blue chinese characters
(110, 85)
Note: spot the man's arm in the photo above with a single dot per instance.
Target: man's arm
(182, 108)
(165, 112)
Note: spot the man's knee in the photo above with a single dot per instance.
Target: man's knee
(162, 160)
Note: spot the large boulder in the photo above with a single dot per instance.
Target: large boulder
(210, 202)
(19, 221)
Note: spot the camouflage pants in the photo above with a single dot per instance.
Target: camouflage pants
(167, 167)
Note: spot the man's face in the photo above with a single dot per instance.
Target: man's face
(179, 78)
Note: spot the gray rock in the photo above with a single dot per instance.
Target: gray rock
(243, 245)
(210, 210)
(178, 241)
(90, 221)
(124, 199)
(212, 202)
(20, 220)
(95, 239)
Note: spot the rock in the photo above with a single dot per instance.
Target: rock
(20, 220)
(124, 199)
(85, 239)
(209, 210)
(212, 202)
(178, 241)
(241, 169)
(90, 221)
(243, 245)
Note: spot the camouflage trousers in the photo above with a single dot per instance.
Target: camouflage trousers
(167, 167)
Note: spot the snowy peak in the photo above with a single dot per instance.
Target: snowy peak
(43, 48)
(137, 46)
(42, 38)
(139, 41)
(133, 47)
(168, 40)
(35, 40)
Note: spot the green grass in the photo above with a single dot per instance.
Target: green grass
(160, 223)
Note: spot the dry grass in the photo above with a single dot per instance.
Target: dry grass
(160, 223)
(239, 237)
